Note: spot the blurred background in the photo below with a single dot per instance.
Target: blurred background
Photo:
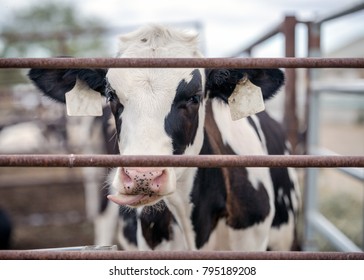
(320, 108)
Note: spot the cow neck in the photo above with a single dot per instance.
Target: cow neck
(218, 147)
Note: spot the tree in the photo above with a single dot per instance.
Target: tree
(50, 29)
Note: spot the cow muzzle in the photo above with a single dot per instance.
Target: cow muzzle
(142, 186)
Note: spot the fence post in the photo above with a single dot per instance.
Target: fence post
(313, 50)
(290, 119)
(311, 141)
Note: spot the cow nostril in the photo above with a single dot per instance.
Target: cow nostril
(159, 178)
(125, 177)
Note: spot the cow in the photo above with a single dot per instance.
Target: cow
(180, 111)
(6, 229)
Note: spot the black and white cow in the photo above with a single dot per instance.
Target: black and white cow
(186, 112)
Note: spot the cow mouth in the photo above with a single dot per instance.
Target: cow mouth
(134, 200)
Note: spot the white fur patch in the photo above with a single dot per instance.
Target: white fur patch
(239, 135)
(254, 238)
(281, 238)
(256, 121)
(159, 41)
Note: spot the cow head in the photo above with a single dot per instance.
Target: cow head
(156, 111)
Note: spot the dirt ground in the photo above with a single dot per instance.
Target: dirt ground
(45, 214)
(341, 197)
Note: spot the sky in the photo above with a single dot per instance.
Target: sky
(228, 25)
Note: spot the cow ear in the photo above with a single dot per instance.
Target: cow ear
(55, 83)
(221, 82)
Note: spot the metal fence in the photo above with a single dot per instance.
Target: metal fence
(286, 62)
(201, 161)
(315, 222)
(196, 255)
(300, 161)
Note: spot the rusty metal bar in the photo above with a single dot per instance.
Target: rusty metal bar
(204, 161)
(290, 119)
(185, 255)
(287, 62)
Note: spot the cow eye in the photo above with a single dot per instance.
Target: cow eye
(111, 96)
(116, 108)
(194, 99)
(110, 93)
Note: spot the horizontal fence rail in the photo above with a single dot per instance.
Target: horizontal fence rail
(204, 161)
(286, 62)
(195, 255)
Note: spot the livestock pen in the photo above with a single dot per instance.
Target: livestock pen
(206, 161)
(290, 119)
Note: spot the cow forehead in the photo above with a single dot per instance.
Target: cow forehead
(156, 84)
(155, 41)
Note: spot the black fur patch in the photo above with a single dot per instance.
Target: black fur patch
(55, 83)
(156, 224)
(130, 225)
(222, 82)
(208, 197)
(182, 121)
(276, 145)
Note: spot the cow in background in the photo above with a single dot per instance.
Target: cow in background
(6, 228)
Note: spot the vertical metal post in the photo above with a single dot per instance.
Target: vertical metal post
(290, 119)
(312, 120)
(310, 191)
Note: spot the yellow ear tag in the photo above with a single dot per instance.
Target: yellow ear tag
(83, 101)
(246, 100)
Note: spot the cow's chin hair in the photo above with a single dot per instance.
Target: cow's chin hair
(160, 206)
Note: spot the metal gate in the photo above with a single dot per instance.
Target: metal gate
(290, 63)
